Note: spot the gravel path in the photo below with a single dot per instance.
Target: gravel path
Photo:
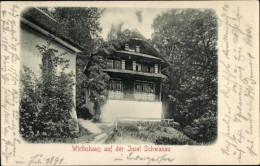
(100, 139)
(99, 130)
(90, 126)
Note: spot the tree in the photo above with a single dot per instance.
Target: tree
(83, 27)
(117, 36)
(97, 82)
(187, 38)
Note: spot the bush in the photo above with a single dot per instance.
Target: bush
(46, 102)
(129, 127)
(204, 129)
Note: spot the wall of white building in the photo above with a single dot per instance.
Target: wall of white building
(114, 109)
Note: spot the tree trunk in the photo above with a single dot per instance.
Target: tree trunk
(97, 113)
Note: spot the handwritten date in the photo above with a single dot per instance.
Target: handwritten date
(39, 159)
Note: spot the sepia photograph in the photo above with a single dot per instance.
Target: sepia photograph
(119, 76)
(129, 83)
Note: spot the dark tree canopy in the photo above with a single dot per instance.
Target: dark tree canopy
(188, 38)
(81, 24)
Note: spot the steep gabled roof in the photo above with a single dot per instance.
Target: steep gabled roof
(44, 21)
(136, 35)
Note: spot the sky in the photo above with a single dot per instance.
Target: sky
(140, 19)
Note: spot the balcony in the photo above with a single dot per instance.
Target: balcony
(115, 95)
(131, 72)
(144, 97)
(133, 66)
(118, 95)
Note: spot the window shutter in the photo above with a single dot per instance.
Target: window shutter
(134, 65)
(156, 68)
(137, 48)
(127, 47)
(123, 64)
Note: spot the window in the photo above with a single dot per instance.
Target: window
(111, 85)
(138, 67)
(150, 88)
(110, 64)
(115, 85)
(150, 69)
(128, 65)
(144, 68)
(117, 64)
(144, 87)
(138, 87)
(147, 68)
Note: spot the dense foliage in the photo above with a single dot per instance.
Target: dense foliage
(80, 24)
(117, 36)
(97, 84)
(47, 101)
(187, 38)
(83, 27)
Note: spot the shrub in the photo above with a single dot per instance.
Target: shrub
(46, 102)
(30, 105)
(130, 127)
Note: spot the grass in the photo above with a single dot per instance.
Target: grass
(160, 133)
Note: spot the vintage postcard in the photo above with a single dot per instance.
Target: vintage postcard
(130, 83)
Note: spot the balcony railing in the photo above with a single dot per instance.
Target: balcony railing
(115, 95)
(144, 97)
(118, 95)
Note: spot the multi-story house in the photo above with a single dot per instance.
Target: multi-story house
(135, 81)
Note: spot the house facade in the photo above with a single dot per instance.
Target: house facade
(135, 81)
(36, 29)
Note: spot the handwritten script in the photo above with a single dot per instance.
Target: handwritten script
(150, 160)
(238, 86)
(9, 82)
